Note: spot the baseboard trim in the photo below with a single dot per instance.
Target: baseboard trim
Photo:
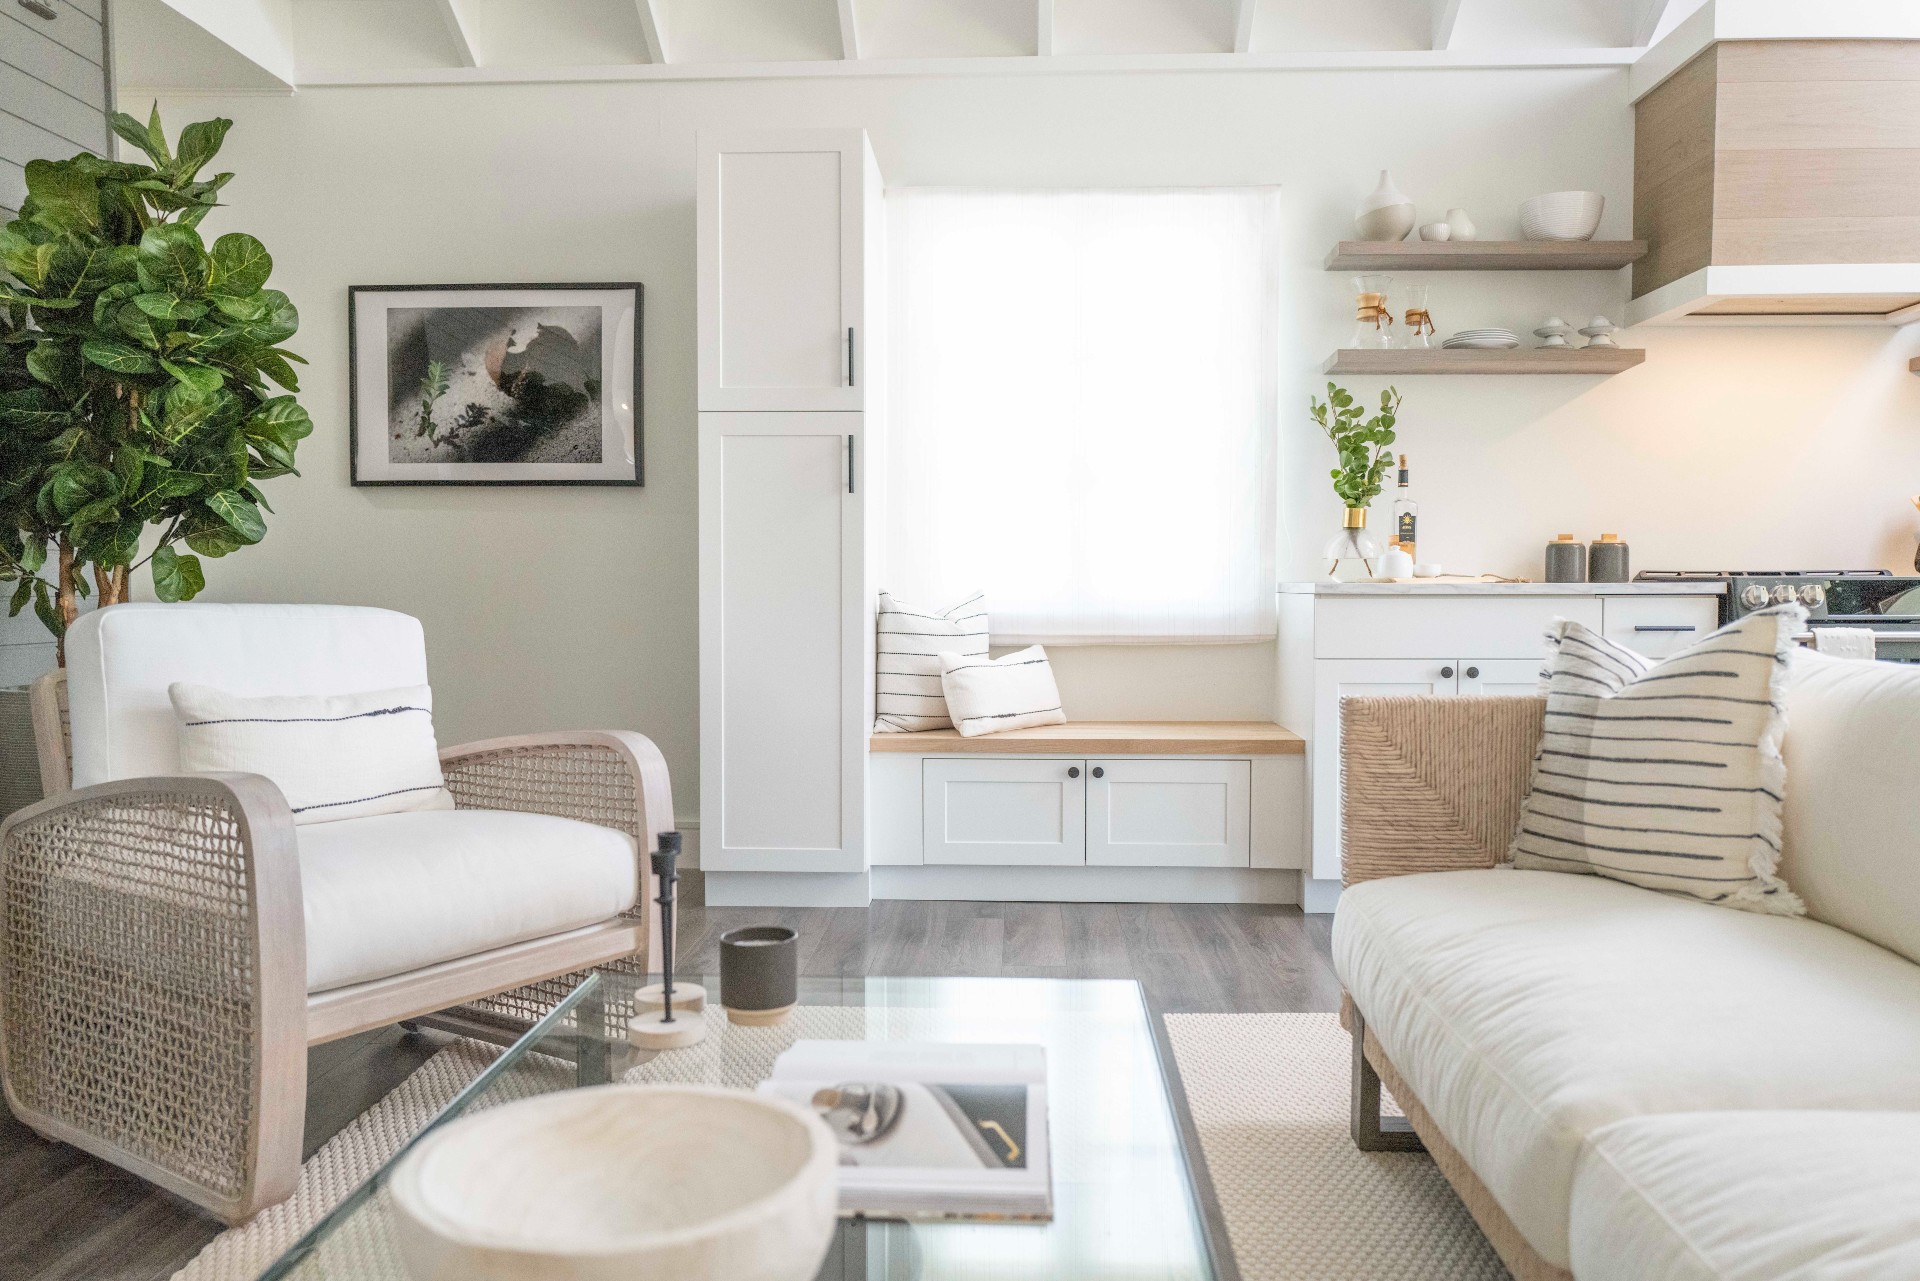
(1088, 884)
(1319, 897)
(786, 889)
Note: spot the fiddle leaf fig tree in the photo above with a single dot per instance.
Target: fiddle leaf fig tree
(139, 369)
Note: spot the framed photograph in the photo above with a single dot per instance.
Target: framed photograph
(494, 384)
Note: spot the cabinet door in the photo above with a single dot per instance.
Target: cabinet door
(1335, 679)
(1024, 812)
(1500, 677)
(1158, 813)
(782, 645)
(782, 266)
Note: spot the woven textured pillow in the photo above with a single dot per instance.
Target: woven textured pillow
(333, 756)
(1666, 775)
(907, 694)
(990, 695)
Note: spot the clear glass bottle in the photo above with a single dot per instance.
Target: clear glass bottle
(1417, 334)
(1372, 320)
(1406, 514)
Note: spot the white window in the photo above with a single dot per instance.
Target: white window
(1082, 407)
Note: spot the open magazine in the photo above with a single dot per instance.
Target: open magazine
(929, 1130)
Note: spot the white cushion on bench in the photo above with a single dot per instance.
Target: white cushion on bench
(1750, 1196)
(1528, 1009)
(394, 892)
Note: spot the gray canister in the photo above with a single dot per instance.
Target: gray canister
(1566, 560)
(1607, 560)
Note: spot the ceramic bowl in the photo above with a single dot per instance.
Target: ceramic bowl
(1562, 215)
(621, 1181)
(1389, 222)
(1435, 231)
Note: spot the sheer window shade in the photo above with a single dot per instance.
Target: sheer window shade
(1082, 408)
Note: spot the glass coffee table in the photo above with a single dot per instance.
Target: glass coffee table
(1131, 1198)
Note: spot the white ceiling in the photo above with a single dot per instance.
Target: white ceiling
(330, 41)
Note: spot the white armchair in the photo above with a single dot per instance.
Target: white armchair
(171, 944)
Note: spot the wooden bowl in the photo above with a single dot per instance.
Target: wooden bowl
(621, 1181)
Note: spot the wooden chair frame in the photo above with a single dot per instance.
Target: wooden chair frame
(153, 1003)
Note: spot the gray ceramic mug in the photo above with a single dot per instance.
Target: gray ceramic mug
(759, 973)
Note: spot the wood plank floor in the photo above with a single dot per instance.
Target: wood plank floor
(67, 1217)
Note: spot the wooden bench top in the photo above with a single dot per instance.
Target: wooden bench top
(1111, 738)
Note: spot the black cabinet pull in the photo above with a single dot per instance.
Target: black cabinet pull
(1446, 673)
(849, 462)
(40, 9)
(1473, 673)
(1073, 771)
(1098, 772)
(850, 381)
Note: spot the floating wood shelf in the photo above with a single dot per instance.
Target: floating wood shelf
(1521, 360)
(1110, 738)
(1484, 255)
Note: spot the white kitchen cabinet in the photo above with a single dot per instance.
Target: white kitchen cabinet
(785, 625)
(1168, 813)
(790, 232)
(1499, 677)
(1005, 812)
(1657, 626)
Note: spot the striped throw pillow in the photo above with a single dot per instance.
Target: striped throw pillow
(907, 695)
(333, 757)
(1666, 775)
(1014, 691)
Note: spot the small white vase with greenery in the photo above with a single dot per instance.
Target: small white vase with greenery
(1365, 449)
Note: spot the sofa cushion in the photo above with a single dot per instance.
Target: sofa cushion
(120, 662)
(1527, 1009)
(1853, 773)
(395, 892)
(1750, 1196)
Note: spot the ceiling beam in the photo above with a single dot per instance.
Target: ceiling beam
(1445, 14)
(849, 34)
(1044, 40)
(1646, 19)
(457, 29)
(650, 27)
(1243, 26)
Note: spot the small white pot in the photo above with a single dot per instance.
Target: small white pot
(1435, 231)
(1460, 225)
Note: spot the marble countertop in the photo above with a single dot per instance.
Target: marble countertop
(1471, 587)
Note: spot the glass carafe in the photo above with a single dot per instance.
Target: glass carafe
(1372, 320)
(1418, 330)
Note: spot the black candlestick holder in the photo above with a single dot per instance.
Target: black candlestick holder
(656, 1024)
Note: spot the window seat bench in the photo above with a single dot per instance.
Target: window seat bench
(1091, 811)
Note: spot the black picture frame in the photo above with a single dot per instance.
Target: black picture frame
(356, 476)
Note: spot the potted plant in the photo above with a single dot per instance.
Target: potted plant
(138, 368)
(1365, 449)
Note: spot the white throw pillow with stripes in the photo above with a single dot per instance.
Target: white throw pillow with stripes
(986, 695)
(332, 756)
(1666, 775)
(907, 694)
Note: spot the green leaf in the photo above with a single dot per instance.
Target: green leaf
(136, 133)
(241, 265)
(33, 554)
(29, 263)
(281, 419)
(275, 367)
(21, 595)
(137, 325)
(158, 137)
(177, 577)
(63, 195)
(199, 143)
(204, 379)
(172, 260)
(44, 606)
(169, 307)
(215, 540)
(117, 356)
(240, 515)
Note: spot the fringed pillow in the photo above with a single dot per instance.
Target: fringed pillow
(1666, 775)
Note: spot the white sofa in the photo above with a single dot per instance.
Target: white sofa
(1627, 1086)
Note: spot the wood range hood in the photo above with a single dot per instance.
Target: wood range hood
(1777, 180)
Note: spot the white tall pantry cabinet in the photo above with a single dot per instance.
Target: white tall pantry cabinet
(791, 280)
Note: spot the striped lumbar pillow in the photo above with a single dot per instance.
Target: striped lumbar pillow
(907, 694)
(332, 756)
(1666, 775)
(990, 695)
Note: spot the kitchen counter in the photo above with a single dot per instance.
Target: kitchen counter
(1468, 587)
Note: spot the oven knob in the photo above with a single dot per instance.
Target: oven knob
(1753, 596)
(1813, 595)
(1783, 595)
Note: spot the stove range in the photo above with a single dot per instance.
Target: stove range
(1886, 603)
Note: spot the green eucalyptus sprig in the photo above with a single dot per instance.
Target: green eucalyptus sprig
(135, 372)
(1363, 444)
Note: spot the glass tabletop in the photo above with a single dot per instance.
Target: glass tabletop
(1126, 1200)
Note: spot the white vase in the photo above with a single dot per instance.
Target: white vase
(1386, 213)
(1460, 225)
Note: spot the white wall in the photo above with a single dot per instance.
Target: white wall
(555, 607)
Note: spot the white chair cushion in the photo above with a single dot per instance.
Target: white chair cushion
(1750, 1196)
(1852, 823)
(333, 756)
(392, 893)
(1528, 1009)
(120, 662)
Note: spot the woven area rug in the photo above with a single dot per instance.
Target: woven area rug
(1269, 1095)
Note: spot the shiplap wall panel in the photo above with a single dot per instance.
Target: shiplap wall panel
(81, 124)
(30, 50)
(20, 140)
(13, 186)
(69, 27)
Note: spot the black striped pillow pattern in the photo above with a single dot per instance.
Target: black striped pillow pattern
(1666, 775)
(907, 695)
(333, 756)
(1014, 691)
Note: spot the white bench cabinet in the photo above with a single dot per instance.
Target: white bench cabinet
(1160, 813)
(1003, 811)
